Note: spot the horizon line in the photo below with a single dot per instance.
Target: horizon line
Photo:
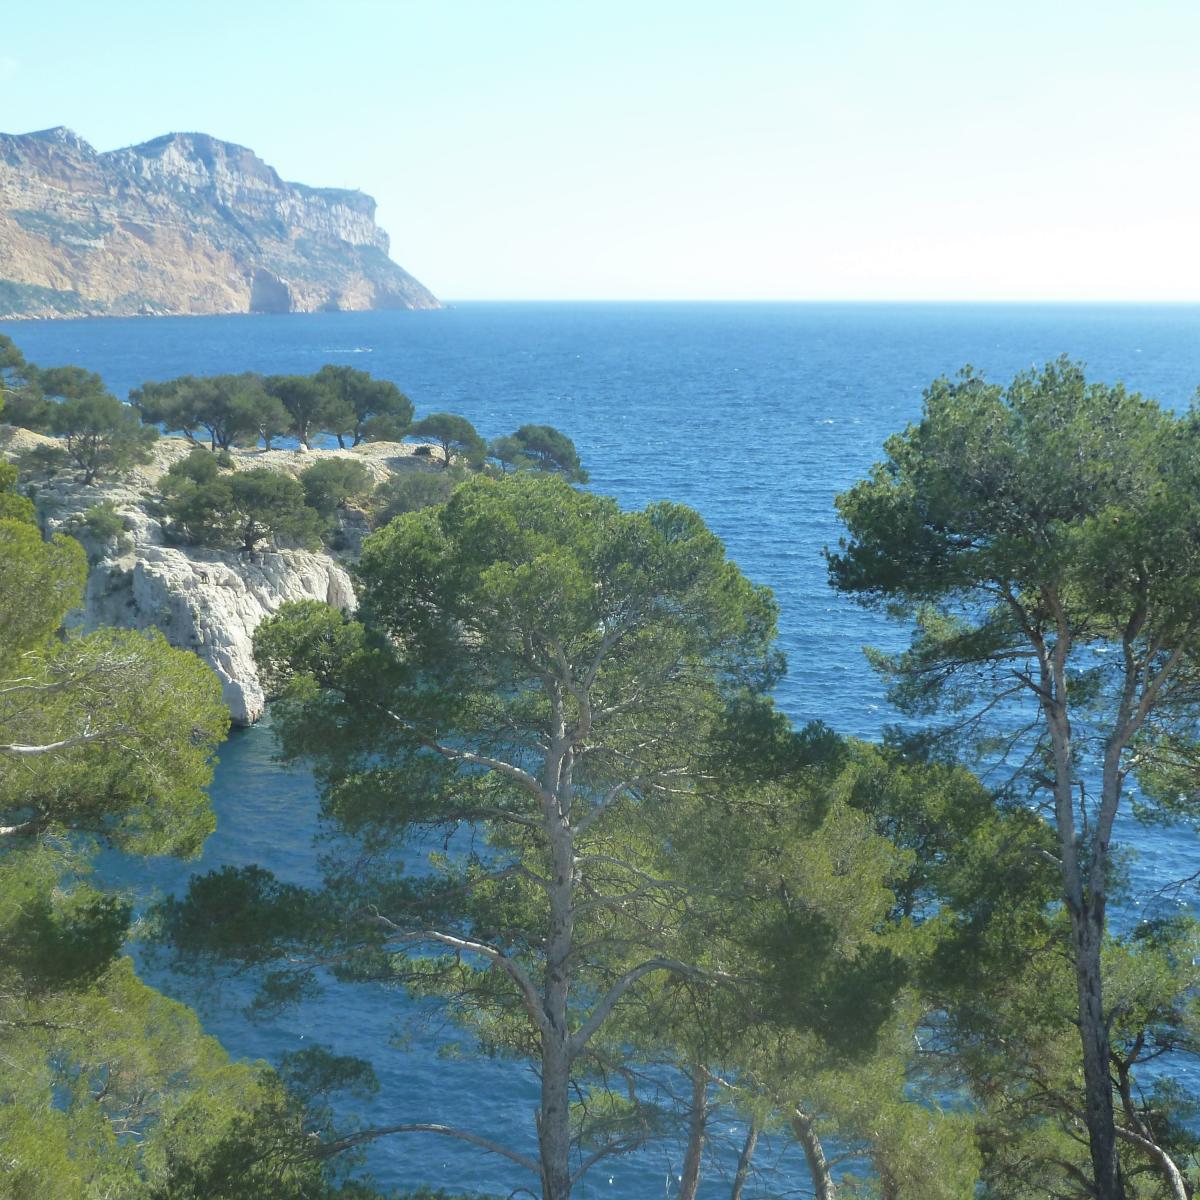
(1105, 300)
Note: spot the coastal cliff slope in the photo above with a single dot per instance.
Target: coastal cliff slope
(182, 224)
(207, 601)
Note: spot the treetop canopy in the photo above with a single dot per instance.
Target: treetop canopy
(472, 612)
(1050, 479)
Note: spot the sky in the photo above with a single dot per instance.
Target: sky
(730, 150)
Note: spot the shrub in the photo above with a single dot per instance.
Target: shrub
(331, 483)
(411, 491)
(102, 521)
(102, 525)
(200, 466)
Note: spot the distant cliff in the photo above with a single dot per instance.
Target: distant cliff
(182, 224)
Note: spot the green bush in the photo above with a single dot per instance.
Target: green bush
(200, 466)
(102, 521)
(412, 491)
(101, 525)
(333, 482)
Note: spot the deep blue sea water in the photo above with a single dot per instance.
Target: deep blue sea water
(755, 414)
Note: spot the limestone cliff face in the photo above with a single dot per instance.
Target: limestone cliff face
(208, 601)
(182, 224)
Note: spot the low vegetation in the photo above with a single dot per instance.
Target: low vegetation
(334, 483)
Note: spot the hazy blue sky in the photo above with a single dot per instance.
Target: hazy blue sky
(732, 149)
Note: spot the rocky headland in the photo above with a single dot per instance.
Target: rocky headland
(208, 601)
(182, 224)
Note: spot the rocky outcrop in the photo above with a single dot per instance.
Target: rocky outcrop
(182, 224)
(208, 601)
(211, 602)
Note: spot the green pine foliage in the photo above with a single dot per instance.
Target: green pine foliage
(102, 437)
(334, 483)
(538, 448)
(228, 410)
(107, 1088)
(411, 491)
(208, 506)
(363, 407)
(454, 436)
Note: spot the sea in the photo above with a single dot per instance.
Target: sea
(756, 415)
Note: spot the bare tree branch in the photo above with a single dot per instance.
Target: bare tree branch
(532, 999)
(584, 1034)
(329, 1149)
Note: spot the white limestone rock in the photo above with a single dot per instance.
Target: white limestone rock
(211, 602)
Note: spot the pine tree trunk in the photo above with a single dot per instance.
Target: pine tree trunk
(553, 1125)
(554, 1122)
(889, 1189)
(697, 1126)
(814, 1153)
(744, 1161)
(1083, 877)
(1087, 935)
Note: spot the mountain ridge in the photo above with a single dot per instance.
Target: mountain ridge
(184, 223)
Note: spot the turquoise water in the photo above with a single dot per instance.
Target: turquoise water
(757, 415)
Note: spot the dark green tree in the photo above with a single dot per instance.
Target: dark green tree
(102, 436)
(367, 407)
(1044, 539)
(264, 414)
(22, 398)
(106, 1086)
(312, 406)
(548, 449)
(540, 666)
(454, 434)
(11, 359)
(509, 452)
(231, 410)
